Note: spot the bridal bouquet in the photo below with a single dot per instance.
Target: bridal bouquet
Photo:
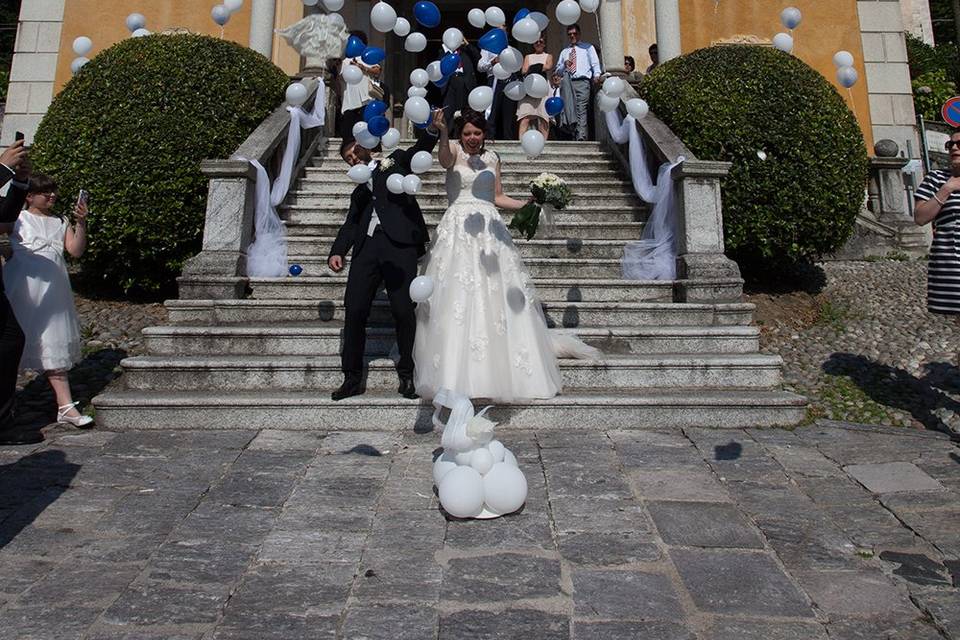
(549, 192)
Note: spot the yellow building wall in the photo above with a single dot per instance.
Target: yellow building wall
(639, 30)
(827, 27)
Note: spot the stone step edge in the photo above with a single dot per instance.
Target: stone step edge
(729, 307)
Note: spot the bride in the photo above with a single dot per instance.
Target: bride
(482, 333)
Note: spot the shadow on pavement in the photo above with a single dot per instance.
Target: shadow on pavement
(29, 486)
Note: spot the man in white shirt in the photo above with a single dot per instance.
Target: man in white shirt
(582, 64)
(502, 113)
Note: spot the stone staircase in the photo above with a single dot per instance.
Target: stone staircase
(271, 359)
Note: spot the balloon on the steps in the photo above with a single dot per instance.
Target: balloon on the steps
(295, 269)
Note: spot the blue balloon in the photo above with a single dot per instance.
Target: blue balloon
(449, 63)
(426, 13)
(295, 269)
(354, 48)
(523, 13)
(373, 109)
(554, 105)
(424, 125)
(378, 125)
(373, 55)
(442, 82)
(493, 41)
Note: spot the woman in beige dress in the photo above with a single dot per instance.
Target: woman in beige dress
(532, 112)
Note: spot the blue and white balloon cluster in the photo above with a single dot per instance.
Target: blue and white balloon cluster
(476, 475)
(846, 74)
(81, 46)
(789, 18)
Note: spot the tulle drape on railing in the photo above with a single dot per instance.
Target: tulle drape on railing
(654, 256)
(267, 254)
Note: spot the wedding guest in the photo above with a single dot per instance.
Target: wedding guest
(938, 201)
(356, 96)
(38, 288)
(654, 57)
(501, 114)
(464, 80)
(581, 64)
(532, 112)
(630, 66)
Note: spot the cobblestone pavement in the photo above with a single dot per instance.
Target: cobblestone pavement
(830, 531)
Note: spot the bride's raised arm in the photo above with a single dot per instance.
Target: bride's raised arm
(445, 153)
(504, 201)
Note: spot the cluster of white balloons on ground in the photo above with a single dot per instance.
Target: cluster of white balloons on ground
(789, 18)
(476, 475)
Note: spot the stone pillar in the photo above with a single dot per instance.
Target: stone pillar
(263, 15)
(668, 29)
(611, 36)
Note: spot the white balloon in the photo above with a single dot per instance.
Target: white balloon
(139, 33)
(383, 17)
(589, 5)
(367, 140)
(220, 15)
(461, 492)
(352, 74)
(136, 21)
(333, 5)
(402, 27)
(607, 103)
(463, 458)
(416, 109)
(540, 18)
(417, 92)
(476, 18)
(443, 465)
(499, 72)
(412, 184)
(535, 85)
(496, 449)
(297, 94)
(568, 12)
(638, 108)
(233, 5)
(847, 77)
(504, 488)
(511, 59)
(495, 17)
(509, 458)
(78, 63)
(415, 42)
(419, 78)
(421, 288)
(532, 143)
(421, 160)
(843, 59)
(82, 46)
(614, 86)
(359, 173)
(452, 38)
(791, 17)
(526, 30)
(482, 461)
(359, 128)
(480, 98)
(395, 183)
(434, 72)
(390, 139)
(514, 90)
(310, 3)
(783, 42)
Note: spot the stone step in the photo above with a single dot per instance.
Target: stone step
(536, 248)
(324, 189)
(311, 290)
(323, 339)
(574, 230)
(590, 201)
(558, 314)
(537, 267)
(520, 176)
(322, 373)
(120, 409)
(557, 162)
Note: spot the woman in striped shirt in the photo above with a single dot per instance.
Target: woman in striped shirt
(938, 201)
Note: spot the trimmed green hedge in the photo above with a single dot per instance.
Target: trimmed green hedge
(732, 102)
(132, 128)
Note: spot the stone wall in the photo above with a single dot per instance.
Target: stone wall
(916, 19)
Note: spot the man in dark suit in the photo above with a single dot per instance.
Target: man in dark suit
(12, 165)
(464, 80)
(388, 235)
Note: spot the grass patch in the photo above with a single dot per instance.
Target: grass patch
(833, 315)
(839, 398)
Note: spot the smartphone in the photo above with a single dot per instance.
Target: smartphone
(18, 136)
(83, 196)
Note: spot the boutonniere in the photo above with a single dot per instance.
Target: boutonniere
(386, 163)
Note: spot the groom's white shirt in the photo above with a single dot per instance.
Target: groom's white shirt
(374, 218)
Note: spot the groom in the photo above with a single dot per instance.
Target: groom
(387, 233)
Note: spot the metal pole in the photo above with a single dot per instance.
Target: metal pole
(923, 146)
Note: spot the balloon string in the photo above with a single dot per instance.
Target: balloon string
(853, 105)
(221, 32)
(596, 16)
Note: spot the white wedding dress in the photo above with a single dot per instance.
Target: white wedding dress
(482, 333)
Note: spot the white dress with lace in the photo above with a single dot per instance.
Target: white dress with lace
(482, 333)
(39, 292)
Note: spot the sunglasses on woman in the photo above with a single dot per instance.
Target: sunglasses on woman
(950, 144)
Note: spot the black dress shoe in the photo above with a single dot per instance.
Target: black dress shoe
(350, 387)
(407, 389)
(20, 436)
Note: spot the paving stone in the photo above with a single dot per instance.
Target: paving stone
(148, 603)
(252, 489)
(954, 567)
(110, 632)
(775, 502)
(500, 577)
(653, 457)
(624, 594)
(703, 524)
(944, 608)
(804, 460)
(892, 477)
(199, 562)
(93, 585)
(918, 568)
(89, 438)
(512, 624)
(812, 548)
(42, 621)
(623, 547)
(855, 593)
(921, 501)
(133, 548)
(268, 589)
(738, 583)
(272, 462)
(148, 511)
(592, 483)
(940, 528)
(839, 490)
(226, 523)
(299, 546)
(738, 629)
(872, 629)
(411, 576)
(574, 514)
(324, 518)
(275, 440)
(686, 483)
(18, 573)
(360, 443)
(41, 542)
(520, 531)
(870, 525)
(277, 626)
(390, 622)
(621, 630)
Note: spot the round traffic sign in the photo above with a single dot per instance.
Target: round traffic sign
(951, 111)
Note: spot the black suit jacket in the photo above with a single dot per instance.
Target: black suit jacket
(469, 58)
(12, 204)
(399, 213)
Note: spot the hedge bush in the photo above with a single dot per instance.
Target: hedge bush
(930, 91)
(799, 160)
(132, 127)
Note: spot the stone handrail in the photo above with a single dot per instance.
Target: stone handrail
(704, 273)
(219, 270)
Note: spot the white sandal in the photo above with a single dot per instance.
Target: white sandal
(80, 421)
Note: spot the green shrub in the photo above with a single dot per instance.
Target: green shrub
(799, 161)
(930, 91)
(132, 128)
(925, 58)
